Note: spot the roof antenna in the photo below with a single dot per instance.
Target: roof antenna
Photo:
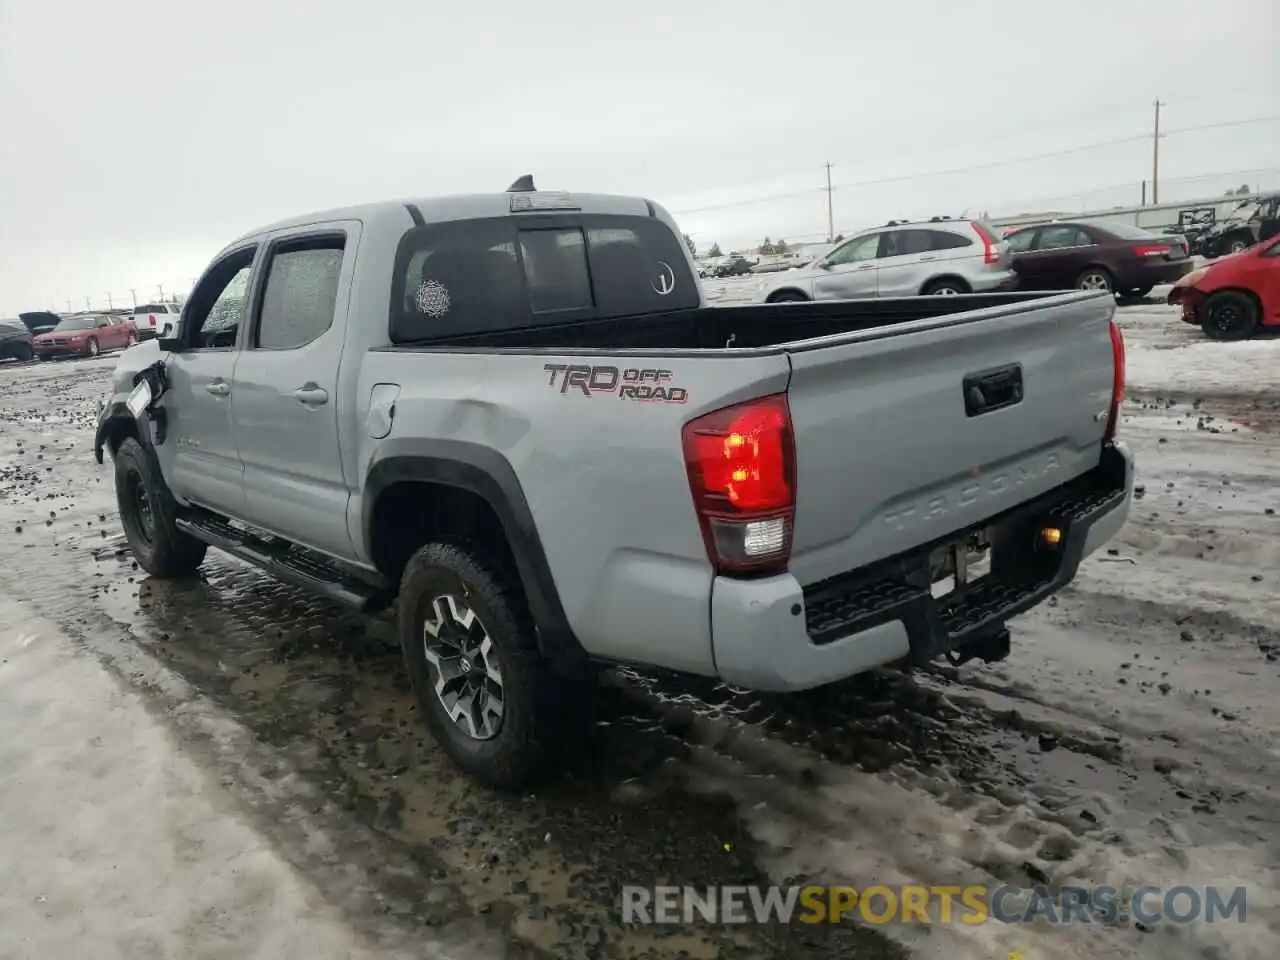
(523, 185)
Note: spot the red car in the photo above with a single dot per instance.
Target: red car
(85, 336)
(1231, 298)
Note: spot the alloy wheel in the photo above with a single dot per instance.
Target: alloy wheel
(1094, 280)
(466, 673)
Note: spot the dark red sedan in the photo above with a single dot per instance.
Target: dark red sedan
(1096, 255)
(85, 336)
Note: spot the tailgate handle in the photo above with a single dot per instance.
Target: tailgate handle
(990, 390)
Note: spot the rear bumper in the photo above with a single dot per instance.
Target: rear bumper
(996, 283)
(1149, 274)
(772, 634)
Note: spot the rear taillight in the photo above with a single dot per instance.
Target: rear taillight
(990, 245)
(1152, 250)
(1117, 381)
(742, 472)
(152, 319)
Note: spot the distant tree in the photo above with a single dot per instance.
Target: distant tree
(781, 247)
(715, 251)
(688, 242)
(839, 237)
(766, 247)
(1243, 191)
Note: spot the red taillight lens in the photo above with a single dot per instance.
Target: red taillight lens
(742, 473)
(1117, 381)
(152, 319)
(990, 250)
(1152, 250)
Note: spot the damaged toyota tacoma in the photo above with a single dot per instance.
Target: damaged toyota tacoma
(514, 417)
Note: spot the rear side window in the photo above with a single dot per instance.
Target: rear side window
(1020, 242)
(485, 275)
(1057, 238)
(301, 293)
(901, 242)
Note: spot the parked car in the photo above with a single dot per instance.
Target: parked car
(86, 335)
(733, 267)
(1230, 298)
(407, 413)
(1096, 255)
(1252, 222)
(39, 321)
(155, 319)
(15, 341)
(935, 257)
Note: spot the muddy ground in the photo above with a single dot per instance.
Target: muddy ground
(228, 767)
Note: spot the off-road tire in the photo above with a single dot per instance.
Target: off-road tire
(1229, 315)
(159, 546)
(533, 694)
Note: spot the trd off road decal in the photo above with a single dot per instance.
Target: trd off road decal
(627, 383)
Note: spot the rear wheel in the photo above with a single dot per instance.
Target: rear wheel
(1095, 278)
(148, 514)
(1140, 291)
(131, 339)
(489, 698)
(1229, 315)
(1238, 245)
(945, 287)
(788, 296)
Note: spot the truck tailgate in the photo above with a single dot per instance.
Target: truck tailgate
(907, 434)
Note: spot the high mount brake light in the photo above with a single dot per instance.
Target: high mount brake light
(741, 462)
(990, 250)
(1117, 381)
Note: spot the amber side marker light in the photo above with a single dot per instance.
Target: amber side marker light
(1051, 536)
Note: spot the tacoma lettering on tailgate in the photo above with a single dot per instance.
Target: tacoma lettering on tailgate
(990, 486)
(627, 383)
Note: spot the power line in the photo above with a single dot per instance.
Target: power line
(989, 165)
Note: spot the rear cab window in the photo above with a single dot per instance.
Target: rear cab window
(506, 273)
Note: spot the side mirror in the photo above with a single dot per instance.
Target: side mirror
(170, 345)
(823, 264)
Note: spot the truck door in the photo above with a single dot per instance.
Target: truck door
(849, 271)
(199, 455)
(285, 415)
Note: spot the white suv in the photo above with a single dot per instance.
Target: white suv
(902, 259)
(156, 319)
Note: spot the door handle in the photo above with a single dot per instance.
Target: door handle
(311, 395)
(867, 266)
(219, 388)
(927, 257)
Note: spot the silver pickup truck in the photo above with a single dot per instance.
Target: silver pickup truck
(515, 416)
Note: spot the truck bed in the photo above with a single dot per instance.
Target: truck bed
(742, 327)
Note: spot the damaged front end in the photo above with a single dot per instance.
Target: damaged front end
(1186, 294)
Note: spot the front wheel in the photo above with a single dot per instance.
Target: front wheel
(1095, 278)
(489, 698)
(1238, 245)
(23, 353)
(148, 514)
(130, 339)
(1229, 315)
(93, 347)
(788, 296)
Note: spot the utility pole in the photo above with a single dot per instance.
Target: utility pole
(86, 303)
(110, 305)
(70, 308)
(831, 223)
(1155, 156)
(134, 293)
(160, 287)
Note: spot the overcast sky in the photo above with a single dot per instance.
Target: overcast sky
(137, 137)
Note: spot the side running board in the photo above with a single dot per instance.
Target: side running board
(290, 564)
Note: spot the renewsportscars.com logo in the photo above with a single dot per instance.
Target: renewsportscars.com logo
(1148, 904)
